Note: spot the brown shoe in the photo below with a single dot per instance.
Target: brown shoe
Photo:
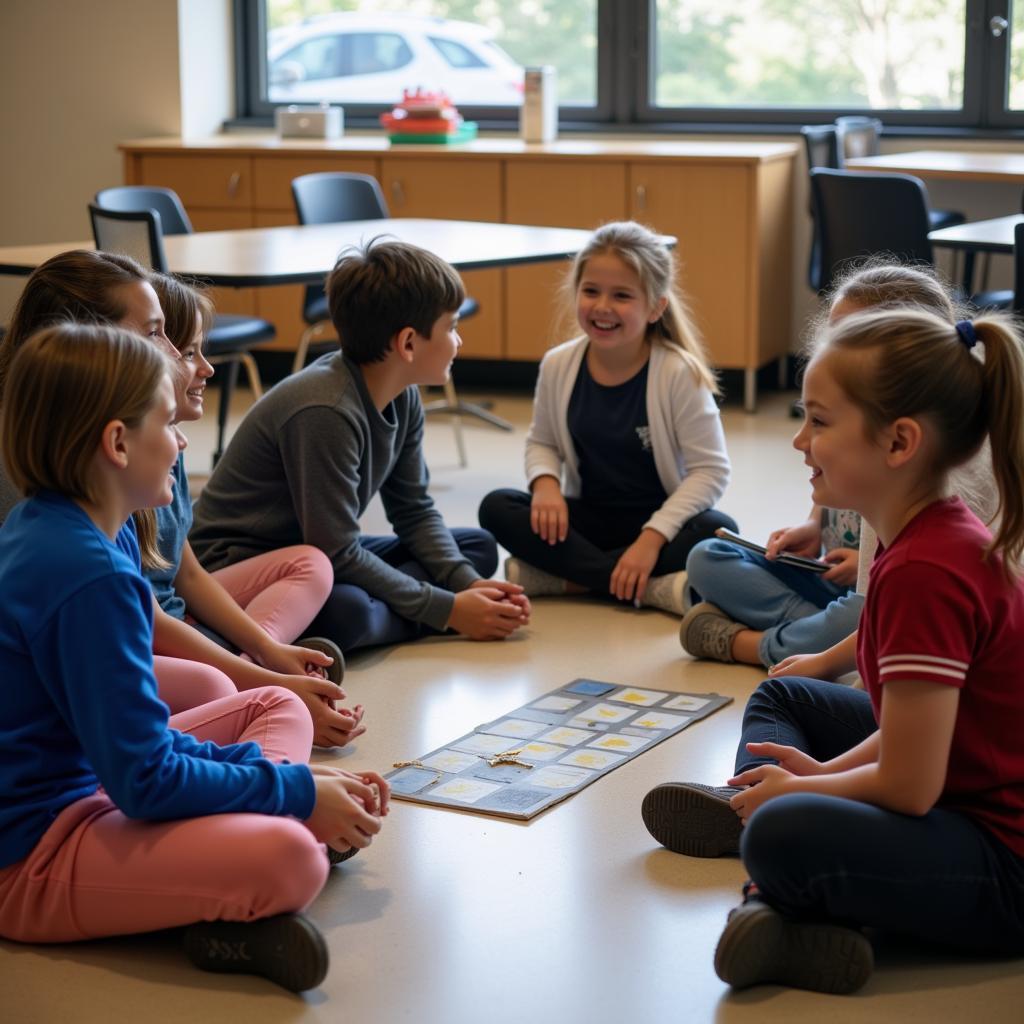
(707, 632)
(693, 819)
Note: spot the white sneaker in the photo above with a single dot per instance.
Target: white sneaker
(535, 582)
(667, 593)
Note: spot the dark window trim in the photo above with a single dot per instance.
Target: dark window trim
(624, 87)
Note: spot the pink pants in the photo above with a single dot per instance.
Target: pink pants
(96, 873)
(282, 591)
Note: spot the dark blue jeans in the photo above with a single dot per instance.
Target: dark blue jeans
(596, 539)
(354, 619)
(940, 877)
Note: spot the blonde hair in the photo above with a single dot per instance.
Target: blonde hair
(182, 303)
(910, 362)
(652, 261)
(65, 384)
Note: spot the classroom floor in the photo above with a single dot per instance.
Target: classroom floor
(577, 916)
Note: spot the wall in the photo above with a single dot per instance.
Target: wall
(77, 78)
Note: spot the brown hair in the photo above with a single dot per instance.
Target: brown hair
(380, 288)
(68, 381)
(653, 263)
(181, 303)
(909, 362)
(81, 285)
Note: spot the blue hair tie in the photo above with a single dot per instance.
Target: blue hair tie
(965, 329)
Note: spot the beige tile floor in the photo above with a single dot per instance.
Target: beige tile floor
(577, 916)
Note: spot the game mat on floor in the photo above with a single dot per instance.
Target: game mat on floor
(548, 749)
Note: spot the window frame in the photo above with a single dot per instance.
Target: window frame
(625, 70)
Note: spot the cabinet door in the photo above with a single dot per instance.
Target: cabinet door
(569, 194)
(214, 182)
(711, 209)
(454, 188)
(272, 176)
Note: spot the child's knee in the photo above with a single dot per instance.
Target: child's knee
(283, 867)
(703, 564)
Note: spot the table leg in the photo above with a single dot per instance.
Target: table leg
(750, 390)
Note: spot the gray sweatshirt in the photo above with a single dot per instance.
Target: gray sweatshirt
(302, 468)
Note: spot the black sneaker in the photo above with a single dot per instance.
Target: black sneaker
(287, 949)
(761, 946)
(340, 856)
(693, 819)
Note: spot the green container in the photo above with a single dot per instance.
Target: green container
(465, 132)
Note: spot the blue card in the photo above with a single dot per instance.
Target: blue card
(589, 687)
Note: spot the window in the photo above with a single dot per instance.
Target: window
(647, 63)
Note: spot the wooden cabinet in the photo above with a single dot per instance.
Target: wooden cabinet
(571, 194)
(730, 204)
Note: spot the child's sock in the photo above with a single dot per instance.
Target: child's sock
(667, 593)
(535, 582)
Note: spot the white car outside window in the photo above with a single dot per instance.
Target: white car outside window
(357, 58)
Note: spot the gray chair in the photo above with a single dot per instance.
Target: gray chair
(136, 228)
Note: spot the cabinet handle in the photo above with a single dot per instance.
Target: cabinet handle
(641, 197)
(233, 182)
(397, 192)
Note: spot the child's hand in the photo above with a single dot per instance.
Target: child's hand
(513, 593)
(341, 815)
(811, 666)
(292, 660)
(633, 569)
(549, 514)
(332, 727)
(844, 566)
(763, 783)
(803, 540)
(483, 612)
(790, 759)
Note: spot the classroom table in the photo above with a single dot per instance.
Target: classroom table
(952, 165)
(252, 257)
(994, 235)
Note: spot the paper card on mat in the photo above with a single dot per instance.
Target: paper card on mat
(560, 776)
(452, 761)
(616, 741)
(555, 704)
(483, 743)
(537, 751)
(641, 698)
(596, 759)
(658, 720)
(515, 799)
(604, 714)
(467, 791)
(411, 780)
(566, 736)
(519, 728)
(686, 703)
(591, 687)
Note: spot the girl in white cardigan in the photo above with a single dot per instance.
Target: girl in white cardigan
(625, 457)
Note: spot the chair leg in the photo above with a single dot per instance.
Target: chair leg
(227, 389)
(252, 371)
(451, 403)
(306, 339)
(460, 441)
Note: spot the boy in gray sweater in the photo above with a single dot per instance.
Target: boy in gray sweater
(310, 455)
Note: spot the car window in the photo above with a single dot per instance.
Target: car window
(370, 52)
(319, 57)
(457, 55)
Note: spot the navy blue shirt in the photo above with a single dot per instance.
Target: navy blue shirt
(80, 706)
(172, 525)
(612, 438)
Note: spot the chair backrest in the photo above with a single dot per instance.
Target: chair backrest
(134, 233)
(1018, 269)
(333, 197)
(820, 145)
(857, 137)
(133, 198)
(860, 215)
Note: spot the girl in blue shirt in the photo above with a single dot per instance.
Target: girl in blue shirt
(114, 818)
